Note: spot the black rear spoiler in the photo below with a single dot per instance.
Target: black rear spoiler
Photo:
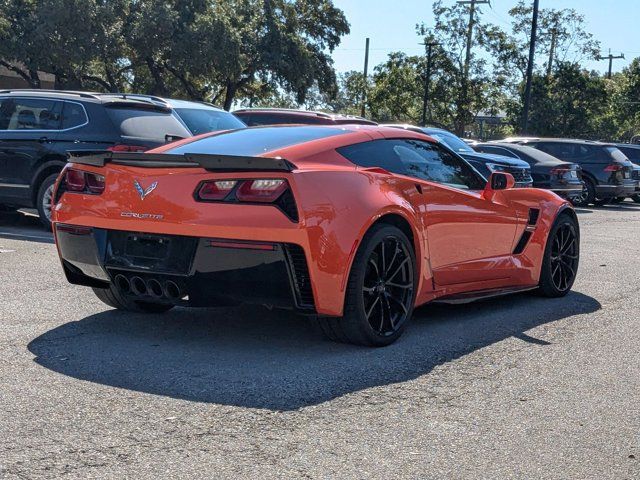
(211, 162)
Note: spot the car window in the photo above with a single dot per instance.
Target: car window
(414, 158)
(633, 153)
(256, 141)
(450, 140)
(30, 114)
(497, 151)
(145, 123)
(616, 154)
(203, 120)
(73, 115)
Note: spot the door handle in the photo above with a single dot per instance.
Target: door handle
(43, 139)
(419, 188)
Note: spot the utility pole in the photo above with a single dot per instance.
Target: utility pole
(467, 59)
(532, 51)
(611, 58)
(427, 80)
(552, 48)
(366, 75)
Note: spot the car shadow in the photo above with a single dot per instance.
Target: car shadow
(253, 357)
(23, 225)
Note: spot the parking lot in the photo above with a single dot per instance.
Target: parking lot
(517, 387)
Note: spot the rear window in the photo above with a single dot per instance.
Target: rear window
(256, 141)
(616, 154)
(146, 124)
(204, 120)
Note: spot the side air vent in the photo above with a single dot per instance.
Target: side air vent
(534, 214)
(526, 236)
(300, 276)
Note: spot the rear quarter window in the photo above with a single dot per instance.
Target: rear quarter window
(147, 124)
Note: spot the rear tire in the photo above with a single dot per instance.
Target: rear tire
(561, 258)
(114, 299)
(380, 293)
(617, 200)
(44, 200)
(636, 198)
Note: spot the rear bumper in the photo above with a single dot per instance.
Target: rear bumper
(207, 271)
(611, 191)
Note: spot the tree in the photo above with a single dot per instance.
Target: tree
(569, 104)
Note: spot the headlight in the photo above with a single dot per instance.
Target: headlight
(496, 168)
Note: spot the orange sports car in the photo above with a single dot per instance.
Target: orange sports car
(356, 225)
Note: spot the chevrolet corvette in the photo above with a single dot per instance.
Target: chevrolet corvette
(355, 225)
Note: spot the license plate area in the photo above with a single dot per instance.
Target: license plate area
(147, 247)
(170, 254)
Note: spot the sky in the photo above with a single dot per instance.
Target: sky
(390, 24)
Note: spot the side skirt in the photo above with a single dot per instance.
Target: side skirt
(469, 297)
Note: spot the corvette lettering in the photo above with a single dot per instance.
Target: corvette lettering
(142, 216)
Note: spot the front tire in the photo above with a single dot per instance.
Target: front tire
(44, 200)
(636, 198)
(561, 258)
(114, 299)
(380, 293)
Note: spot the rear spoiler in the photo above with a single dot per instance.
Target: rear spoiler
(211, 162)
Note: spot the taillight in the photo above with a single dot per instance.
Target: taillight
(75, 180)
(83, 182)
(614, 167)
(560, 171)
(127, 148)
(261, 190)
(217, 190)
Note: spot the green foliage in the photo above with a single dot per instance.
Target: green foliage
(201, 49)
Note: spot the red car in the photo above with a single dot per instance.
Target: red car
(356, 225)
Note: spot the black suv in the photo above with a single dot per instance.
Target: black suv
(39, 127)
(607, 173)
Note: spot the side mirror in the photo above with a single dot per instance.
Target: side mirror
(500, 181)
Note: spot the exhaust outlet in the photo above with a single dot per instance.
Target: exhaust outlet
(138, 286)
(154, 288)
(172, 291)
(122, 283)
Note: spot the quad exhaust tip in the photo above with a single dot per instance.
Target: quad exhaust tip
(153, 288)
(138, 286)
(172, 291)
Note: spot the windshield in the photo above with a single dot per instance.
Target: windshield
(201, 120)
(451, 141)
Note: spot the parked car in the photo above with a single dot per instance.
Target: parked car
(198, 117)
(550, 173)
(263, 221)
(38, 127)
(632, 151)
(484, 163)
(606, 171)
(283, 116)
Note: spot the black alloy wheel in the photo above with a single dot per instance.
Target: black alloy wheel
(387, 291)
(561, 258)
(380, 292)
(564, 257)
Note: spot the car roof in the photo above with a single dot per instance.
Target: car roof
(306, 113)
(534, 153)
(553, 139)
(288, 141)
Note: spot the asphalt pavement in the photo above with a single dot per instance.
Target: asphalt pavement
(516, 387)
